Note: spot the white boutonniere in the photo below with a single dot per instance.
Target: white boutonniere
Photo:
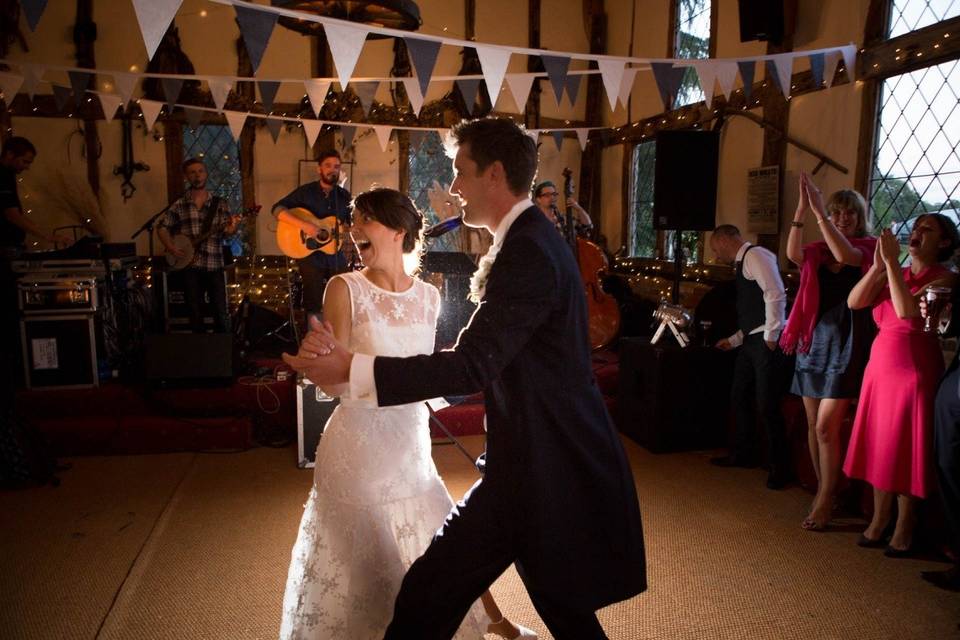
(478, 283)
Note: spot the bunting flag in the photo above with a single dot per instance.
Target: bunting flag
(780, 69)
(61, 96)
(273, 126)
(626, 85)
(582, 138)
(32, 76)
(520, 85)
(154, 17)
(268, 91)
(726, 76)
(10, 84)
(412, 86)
(171, 91)
(317, 93)
(830, 62)
(32, 10)
(151, 111)
(194, 116)
(255, 27)
(220, 90)
(79, 81)
(707, 75)
(557, 139)
(747, 69)
(345, 44)
(534, 134)
(849, 53)
(236, 120)
(423, 55)
(383, 134)
(347, 134)
(668, 80)
(311, 129)
(816, 69)
(366, 91)
(468, 89)
(573, 88)
(556, 67)
(417, 136)
(611, 72)
(493, 62)
(126, 83)
(109, 103)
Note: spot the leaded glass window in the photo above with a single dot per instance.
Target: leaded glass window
(428, 163)
(214, 144)
(910, 15)
(642, 236)
(692, 40)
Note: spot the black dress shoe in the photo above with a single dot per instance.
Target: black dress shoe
(949, 579)
(733, 461)
(778, 478)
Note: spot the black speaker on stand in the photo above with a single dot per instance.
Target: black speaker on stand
(685, 187)
(761, 20)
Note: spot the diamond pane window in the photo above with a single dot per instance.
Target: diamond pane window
(910, 15)
(692, 40)
(430, 163)
(642, 236)
(916, 166)
(214, 144)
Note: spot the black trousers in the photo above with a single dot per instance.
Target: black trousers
(946, 445)
(760, 379)
(11, 361)
(315, 270)
(196, 283)
(476, 545)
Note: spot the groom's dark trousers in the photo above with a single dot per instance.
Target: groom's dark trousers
(557, 497)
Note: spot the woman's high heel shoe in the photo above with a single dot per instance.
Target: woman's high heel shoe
(497, 628)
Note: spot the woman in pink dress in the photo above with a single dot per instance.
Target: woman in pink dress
(891, 443)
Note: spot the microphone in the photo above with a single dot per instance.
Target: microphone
(437, 230)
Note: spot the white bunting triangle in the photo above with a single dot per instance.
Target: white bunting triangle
(707, 74)
(849, 53)
(151, 110)
(626, 85)
(236, 120)
(345, 45)
(219, 90)
(830, 62)
(582, 138)
(109, 102)
(783, 63)
(311, 129)
(126, 83)
(612, 73)
(154, 17)
(412, 85)
(317, 93)
(32, 75)
(10, 83)
(520, 85)
(383, 134)
(493, 61)
(726, 75)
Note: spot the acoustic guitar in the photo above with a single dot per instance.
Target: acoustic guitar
(188, 245)
(298, 240)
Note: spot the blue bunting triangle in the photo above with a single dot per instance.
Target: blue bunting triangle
(32, 10)
(274, 125)
(423, 54)
(668, 80)
(79, 80)
(61, 96)
(171, 91)
(255, 27)
(268, 92)
(573, 88)
(816, 68)
(557, 139)
(556, 67)
(468, 89)
(365, 91)
(747, 69)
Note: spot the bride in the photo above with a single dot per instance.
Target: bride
(377, 499)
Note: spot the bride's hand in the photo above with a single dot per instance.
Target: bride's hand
(333, 368)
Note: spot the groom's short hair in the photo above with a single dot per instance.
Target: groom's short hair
(502, 139)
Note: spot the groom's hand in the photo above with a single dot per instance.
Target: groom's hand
(321, 358)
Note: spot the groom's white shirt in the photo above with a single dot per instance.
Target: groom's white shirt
(363, 387)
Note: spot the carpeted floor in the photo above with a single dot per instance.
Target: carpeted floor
(197, 545)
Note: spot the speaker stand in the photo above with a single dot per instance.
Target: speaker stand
(288, 326)
(677, 266)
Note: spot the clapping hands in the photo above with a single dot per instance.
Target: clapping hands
(888, 249)
(321, 357)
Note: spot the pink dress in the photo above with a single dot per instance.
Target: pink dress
(891, 445)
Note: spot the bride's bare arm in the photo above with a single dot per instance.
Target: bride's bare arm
(336, 311)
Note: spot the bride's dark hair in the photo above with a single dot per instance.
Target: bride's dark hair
(395, 210)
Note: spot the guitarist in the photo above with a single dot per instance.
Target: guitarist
(323, 198)
(197, 213)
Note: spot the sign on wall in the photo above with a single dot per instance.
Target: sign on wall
(763, 200)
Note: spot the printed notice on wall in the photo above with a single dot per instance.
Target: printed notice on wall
(44, 353)
(763, 200)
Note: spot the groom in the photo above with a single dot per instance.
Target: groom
(557, 497)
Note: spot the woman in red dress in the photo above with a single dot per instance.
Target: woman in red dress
(891, 443)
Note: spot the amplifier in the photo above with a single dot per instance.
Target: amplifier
(176, 313)
(313, 410)
(42, 294)
(59, 351)
(189, 359)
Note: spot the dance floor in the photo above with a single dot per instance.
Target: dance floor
(196, 545)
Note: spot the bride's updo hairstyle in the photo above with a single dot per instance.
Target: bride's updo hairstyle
(394, 210)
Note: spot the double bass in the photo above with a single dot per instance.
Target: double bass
(602, 310)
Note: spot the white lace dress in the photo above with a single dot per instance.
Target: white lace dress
(377, 499)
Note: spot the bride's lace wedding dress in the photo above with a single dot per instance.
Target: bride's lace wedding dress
(377, 498)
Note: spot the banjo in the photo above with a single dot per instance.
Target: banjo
(188, 245)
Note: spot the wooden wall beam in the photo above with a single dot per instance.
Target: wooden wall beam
(84, 37)
(874, 36)
(591, 185)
